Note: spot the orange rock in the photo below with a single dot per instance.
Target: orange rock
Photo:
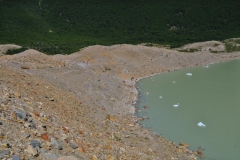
(34, 92)
(17, 94)
(80, 132)
(36, 114)
(111, 118)
(45, 137)
(123, 129)
(6, 107)
(108, 147)
(82, 149)
(25, 67)
(14, 116)
(110, 157)
(65, 129)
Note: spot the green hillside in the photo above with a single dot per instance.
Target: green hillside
(65, 26)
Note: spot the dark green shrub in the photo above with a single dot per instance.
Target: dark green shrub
(15, 51)
(82, 23)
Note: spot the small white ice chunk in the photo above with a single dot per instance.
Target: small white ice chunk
(206, 66)
(200, 124)
(160, 96)
(173, 82)
(189, 74)
(176, 105)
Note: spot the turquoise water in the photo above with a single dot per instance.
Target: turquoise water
(179, 102)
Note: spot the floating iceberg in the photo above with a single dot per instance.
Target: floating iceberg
(176, 105)
(174, 82)
(200, 124)
(206, 66)
(189, 74)
(160, 96)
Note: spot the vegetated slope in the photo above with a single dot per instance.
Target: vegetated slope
(65, 26)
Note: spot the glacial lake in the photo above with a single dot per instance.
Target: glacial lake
(199, 106)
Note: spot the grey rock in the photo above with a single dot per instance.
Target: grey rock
(56, 143)
(67, 158)
(55, 124)
(50, 130)
(30, 119)
(12, 107)
(33, 125)
(15, 157)
(64, 137)
(102, 157)
(42, 114)
(3, 101)
(21, 114)
(4, 152)
(32, 150)
(42, 150)
(122, 149)
(156, 134)
(35, 143)
(28, 114)
(53, 118)
(201, 148)
(26, 135)
(27, 125)
(49, 156)
(73, 144)
(22, 103)
(59, 145)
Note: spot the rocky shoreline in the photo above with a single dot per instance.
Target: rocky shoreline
(81, 105)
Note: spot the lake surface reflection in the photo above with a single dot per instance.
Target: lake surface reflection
(199, 106)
